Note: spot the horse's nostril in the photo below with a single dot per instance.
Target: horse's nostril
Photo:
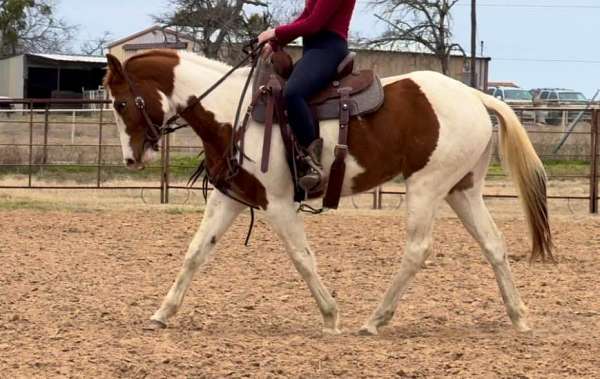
(129, 162)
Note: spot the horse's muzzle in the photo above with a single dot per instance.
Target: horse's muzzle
(133, 165)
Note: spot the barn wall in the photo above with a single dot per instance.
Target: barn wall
(386, 63)
(150, 37)
(12, 77)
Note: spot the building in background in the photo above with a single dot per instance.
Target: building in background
(155, 37)
(386, 62)
(45, 76)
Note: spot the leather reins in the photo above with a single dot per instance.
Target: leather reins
(155, 131)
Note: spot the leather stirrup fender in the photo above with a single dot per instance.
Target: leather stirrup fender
(274, 90)
(338, 168)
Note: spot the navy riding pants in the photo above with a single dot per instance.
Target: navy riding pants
(322, 53)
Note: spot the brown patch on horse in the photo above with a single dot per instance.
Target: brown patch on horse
(148, 71)
(464, 184)
(397, 139)
(216, 138)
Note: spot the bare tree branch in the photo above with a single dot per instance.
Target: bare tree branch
(31, 26)
(425, 23)
(96, 46)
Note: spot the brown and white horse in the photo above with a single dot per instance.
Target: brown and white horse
(433, 130)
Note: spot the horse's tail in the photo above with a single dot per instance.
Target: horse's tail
(527, 171)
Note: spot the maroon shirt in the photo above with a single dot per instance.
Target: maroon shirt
(318, 15)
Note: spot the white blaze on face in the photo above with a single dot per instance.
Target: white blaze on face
(124, 137)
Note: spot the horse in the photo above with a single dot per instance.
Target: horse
(433, 130)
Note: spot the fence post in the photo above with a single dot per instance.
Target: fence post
(594, 163)
(163, 170)
(46, 121)
(30, 142)
(167, 167)
(100, 133)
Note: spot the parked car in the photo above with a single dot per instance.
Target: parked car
(557, 97)
(516, 97)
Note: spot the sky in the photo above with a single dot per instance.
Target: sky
(536, 43)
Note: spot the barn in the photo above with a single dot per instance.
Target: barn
(154, 37)
(385, 61)
(391, 62)
(46, 76)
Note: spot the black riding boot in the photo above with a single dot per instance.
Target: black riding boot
(313, 175)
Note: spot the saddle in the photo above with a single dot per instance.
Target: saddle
(351, 93)
(364, 88)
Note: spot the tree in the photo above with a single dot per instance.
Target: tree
(282, 12)
(96, 46)
(419, 22)
(216, 24)
(31, 26)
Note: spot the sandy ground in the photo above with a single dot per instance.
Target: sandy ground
(77, 286)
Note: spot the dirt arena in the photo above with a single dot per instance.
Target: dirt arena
(77, 286)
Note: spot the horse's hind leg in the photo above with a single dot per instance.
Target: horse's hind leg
(470, 207)
(220, 213)
(422, 205)
(289, 226)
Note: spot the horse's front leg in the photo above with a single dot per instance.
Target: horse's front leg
(220, 213)
(288, 224)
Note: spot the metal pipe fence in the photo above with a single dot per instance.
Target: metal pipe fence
(50, 138)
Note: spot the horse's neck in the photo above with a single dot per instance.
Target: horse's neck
(195, 75)
(212, 119)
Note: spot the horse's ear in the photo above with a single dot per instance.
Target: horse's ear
(115, 66)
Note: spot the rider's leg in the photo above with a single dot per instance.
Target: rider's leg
(312, 73)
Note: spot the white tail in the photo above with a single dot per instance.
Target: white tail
(527, 171)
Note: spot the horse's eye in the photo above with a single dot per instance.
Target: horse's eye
(120, 105)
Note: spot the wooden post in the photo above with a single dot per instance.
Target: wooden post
(474, 44)
(100, 133)
(30, 142)
(163, 171)
(167, 173)
(594, 162)
(46, 124)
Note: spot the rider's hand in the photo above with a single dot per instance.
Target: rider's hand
(267, 50)
(267, 35)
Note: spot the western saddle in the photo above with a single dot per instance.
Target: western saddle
(352, 93)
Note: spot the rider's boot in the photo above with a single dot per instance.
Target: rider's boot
(314, 170)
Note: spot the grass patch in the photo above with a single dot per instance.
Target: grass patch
(182, 167)
(553, 167)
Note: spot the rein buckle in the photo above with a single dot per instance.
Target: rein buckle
(139, 102)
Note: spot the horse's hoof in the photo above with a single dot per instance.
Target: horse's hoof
(331, 331)
(154, 325)
(367, 331)
(522, 327)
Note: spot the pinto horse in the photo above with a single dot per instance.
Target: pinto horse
(433, 130)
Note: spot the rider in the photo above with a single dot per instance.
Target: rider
(324, 27)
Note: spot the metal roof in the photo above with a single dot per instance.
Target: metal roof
(72, 58)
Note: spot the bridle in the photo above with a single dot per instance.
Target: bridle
(154, 131)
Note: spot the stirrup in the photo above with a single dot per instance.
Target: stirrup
(311, 180)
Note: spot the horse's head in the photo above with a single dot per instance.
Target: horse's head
(139, 93)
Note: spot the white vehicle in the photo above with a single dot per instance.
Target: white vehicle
(516, 96)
